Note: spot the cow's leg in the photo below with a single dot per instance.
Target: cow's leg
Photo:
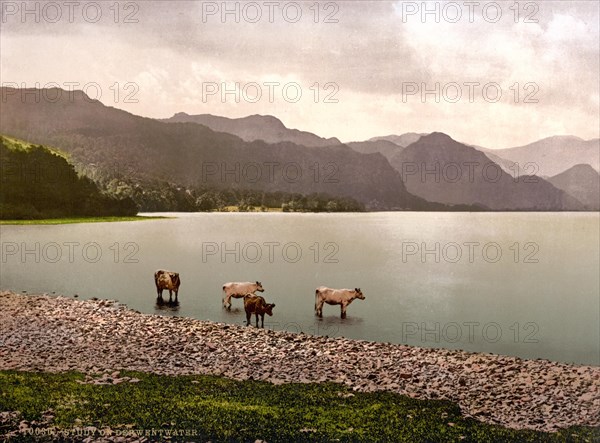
(262, 321)
(159, 292)
(170, 295)
(248, 315)
(176, 294)
(227, 301)
(317, 299)
(319, 308)
(343, 309)
(256, 316)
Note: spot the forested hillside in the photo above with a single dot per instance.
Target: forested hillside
(37, 182)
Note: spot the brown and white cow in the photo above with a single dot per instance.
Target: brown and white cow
(239, 290)
(330, 296)
(167, 280)
(255, 304)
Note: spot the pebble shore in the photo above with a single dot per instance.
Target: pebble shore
(55, 334)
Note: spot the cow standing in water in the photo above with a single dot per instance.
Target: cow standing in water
(342, 297)
(239, 290)
(167, 280)
(255, 304)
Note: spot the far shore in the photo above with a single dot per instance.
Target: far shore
(231, 210)
(59, 334)
(71, 220)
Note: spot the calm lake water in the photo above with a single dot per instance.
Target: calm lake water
(524, 284)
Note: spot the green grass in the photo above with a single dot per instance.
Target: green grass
(69, 220)
(221, 409)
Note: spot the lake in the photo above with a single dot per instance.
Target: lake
(524, 284)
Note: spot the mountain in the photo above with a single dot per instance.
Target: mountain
(553, 155)
(401, 140)
(582, 182)
(384, 147)
(41, 183)
(255, 127)
(388, 145)
(511, 168)
(190, 154)
(440, 169)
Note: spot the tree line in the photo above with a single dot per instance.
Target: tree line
(157, 196)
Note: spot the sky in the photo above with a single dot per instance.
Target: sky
(499, 74)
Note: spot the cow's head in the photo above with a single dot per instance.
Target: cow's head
(269, 308)
(259, 287)
(359, 293)
(175, 278)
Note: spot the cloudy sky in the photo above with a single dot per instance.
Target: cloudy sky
(350, 69)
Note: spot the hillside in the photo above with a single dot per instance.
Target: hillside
(402, 140)
(384, 147)
(582, 182)
(511, 168)
(40, 183)
(466, 175)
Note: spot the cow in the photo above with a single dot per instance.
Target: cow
(167, 280)
(255, 304)
(330, 296)
(239, 290)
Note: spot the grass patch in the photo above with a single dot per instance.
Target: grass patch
(221, 409)
(69, 220)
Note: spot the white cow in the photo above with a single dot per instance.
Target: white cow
(239, 290)
(330, 296)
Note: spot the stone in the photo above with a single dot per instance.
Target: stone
(94, 337)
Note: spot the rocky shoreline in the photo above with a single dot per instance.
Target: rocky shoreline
(55, 334)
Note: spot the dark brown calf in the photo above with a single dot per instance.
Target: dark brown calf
(255, 304)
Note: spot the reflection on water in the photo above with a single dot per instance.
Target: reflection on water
(167, 305)
(330, 325)
(234, 311)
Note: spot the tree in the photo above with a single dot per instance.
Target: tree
(331, 206)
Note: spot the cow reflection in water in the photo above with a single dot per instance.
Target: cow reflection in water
(167, 305)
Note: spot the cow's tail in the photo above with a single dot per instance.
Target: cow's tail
(316, 295)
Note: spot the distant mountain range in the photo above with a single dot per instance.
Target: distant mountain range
(191, 154)
(553, 155)
(389, 145)
(392, 172)
(255, 127)
(440, 169)
(401, 140)
(384, 147)
(582, 182)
